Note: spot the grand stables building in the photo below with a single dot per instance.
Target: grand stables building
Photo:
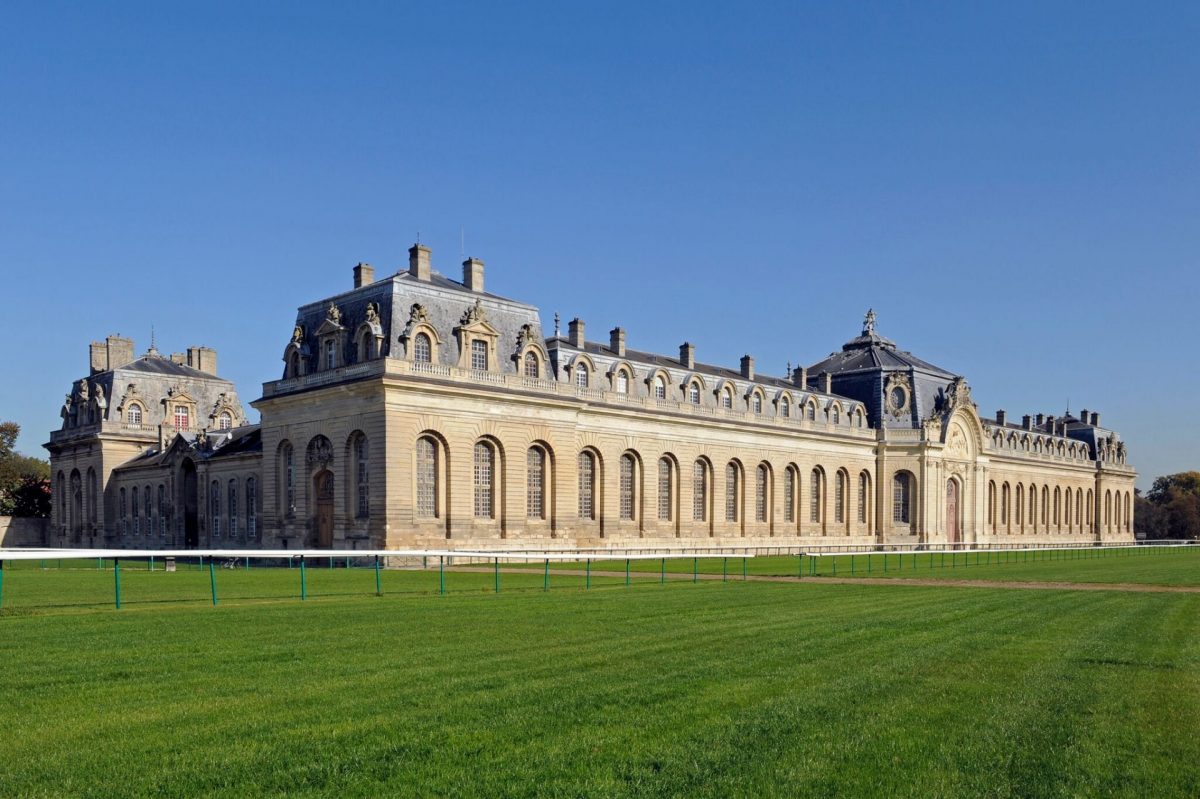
(418, 411)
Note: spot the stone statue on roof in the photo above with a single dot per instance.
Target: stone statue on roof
(333, 314)
(869, 323)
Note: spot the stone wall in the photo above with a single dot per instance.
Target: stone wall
(19, 532)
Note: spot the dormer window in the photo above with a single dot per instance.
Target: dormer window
(225, 421)
(836, 415)
(581, 375)
(727, 398)
(479, 355)
(422, 348)
(694, 393)
(182, 421)
(622, 382)
(532, 368)
(134, 415)
(785, 407)
(756, 403)
(660, 387)
(330, 353)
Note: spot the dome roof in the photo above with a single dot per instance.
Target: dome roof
(870, 351)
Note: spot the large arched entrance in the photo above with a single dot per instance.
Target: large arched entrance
(323, 519)
(953, 533)
(191, 523)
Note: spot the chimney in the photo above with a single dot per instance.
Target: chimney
(98, 353)
(179, 358)
(1041, 419)
(473, 274)
(120, 351)
(1027, 422)
(418, 262)
(747, 367)
(575, 332)
(202, 358)
(800, 377)
(1083, 416)
(1001, 416)
(827, 382)
(364, 275)
(687, 355)
(1095, 419)
(616, 341)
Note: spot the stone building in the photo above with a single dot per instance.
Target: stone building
(421, 411)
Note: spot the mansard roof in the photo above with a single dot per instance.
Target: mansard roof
(155, 364)
(871, 352)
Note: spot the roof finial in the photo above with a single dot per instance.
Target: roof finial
(869, 323)
(556, 324)
(153, 348)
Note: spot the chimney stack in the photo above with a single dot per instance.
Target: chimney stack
(1041, 419)
(827, 382)
(202, 358)
(418, 262)
(575, 332)
(616, 341)
(800, 377)
(747, 367)
(98, 357)
(473, 274)
(1027, 422)
(179, 358)
(364, 275)
(1001, 416)
(1095, 419)
(687, 355)
(120, 351)
(1083, 416)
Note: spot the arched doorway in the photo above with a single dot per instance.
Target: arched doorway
(323, 520)
(191, 524)
(953, 534)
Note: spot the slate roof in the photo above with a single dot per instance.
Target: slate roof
(871, 351)
(155, 364)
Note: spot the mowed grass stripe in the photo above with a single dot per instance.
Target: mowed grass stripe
(710, 689)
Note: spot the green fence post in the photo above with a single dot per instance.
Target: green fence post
(303, 580)
(695, 570)
(1, 583)
(852, 563)
(441, 574)
(151, 563)
(117, 582)
(662, 576)
(835, 564)
(800, 566)
(546, 576)
(724, 570)
(627, 572)
(743, 567)
(885, 560)
(247, 561)
(212, 580)
(588, 574)
(378, 577)
(496, 569)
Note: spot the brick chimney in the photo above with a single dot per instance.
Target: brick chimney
(575, 332)
(1095, 419)
(364, 275)
(616, 341)
(473, 274)
(202, 358)
(800, 377)
(418, 262)
(1083, 416)
(687, 355)
(747, 367)
(827, 382)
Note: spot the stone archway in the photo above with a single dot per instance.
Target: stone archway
(323, 491)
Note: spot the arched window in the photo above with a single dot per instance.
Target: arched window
(859, 419)
(1108, 510)
(761, 481)
(1033, 520)
(811, 412)
(666, 499)
(727, 398)
(622, 381)
(532, 367)
(77, 502)
(293, 364)
(251, 507)
(1079, 507)
(366, 346)
(1005, 500)
(816, 513)
(901, 499)
(148, 507)
(839, 498)
(362, 476)
(485, 472)
(162, 510)
(628, 496)
(1091, 507)
(134, 415)
(790, 480)
(1057, 507)
(123, 510)
(660, 387)
(330, 353)
(864, 496)
(991, 506)
(1067, 508)
(732, 492)
(535, 483)
(422, 348)
(479, 355)
(427, 478)
(233, 508)
(785, 407)
(214, 508)
(756, 402)
(136, 509)
(225, 420)
(694, 393)
(700, 491)
(93, 491)
(287, 480)
(1020, 507)
(835, 415)
(587, 485)
(581, 375)
(1128, 501)
(1045, 507)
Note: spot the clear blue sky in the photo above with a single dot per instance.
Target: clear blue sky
(1013, 188)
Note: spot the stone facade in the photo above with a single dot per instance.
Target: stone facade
(420, 411)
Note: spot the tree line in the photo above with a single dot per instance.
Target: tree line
(24, 481)
(1170, 509)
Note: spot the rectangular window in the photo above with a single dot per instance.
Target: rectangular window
(627, 498)
(330, 354)
(182, 420)
(251, 507)
(789, 497)
(587, 486)
(233, 503)
(699, 492)
(535, 483)
(731, 493)
(426, 478)
(479, 355)
(483, 481)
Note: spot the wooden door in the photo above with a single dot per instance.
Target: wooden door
(323, 488)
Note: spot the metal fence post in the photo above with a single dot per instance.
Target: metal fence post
(212, 580)
(588, 573)
(1, 583)
(378, 578)
(441, 574)
(743, 567)
(496, 569)
(546, 576)
(117, 581)
(626, 571)
(724, 570)
(303, 580)
(695, 570)
(662, 576)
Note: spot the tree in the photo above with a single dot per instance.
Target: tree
(21, 478)
(1171, 509)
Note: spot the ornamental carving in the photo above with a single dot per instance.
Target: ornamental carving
(955, 395)
(320, 453)
(474, 315)
(897, 393)
(333, 314)
(417, 314)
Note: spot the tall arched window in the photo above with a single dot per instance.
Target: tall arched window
(287, 479)
(816, 511)
(1057, 507)
(251, 507)
(1108, 510)
(162, 510)
(660, 387)
(1020, 507)
(1079, 508)
(485, 473)
(835, 415)
(535, 483)
(532, 367)
(756, 403)
(991, 506)
(136, 509)
(362, 475)
(214, 508)
(134, 414)
(694, 393)
(233, 508)
(587, 485)
(700, 491)
(123, 511)
(1067, 508)
(761, 481)
(839, 498)
(1033, 518)
(628, 497)
(790, 480)
(901, 500)
(726, 398)
(366, 346)
(427, 478)
(581, 375)
(1045, 507)
(1005, 501)
(811, 412)
(864, 496)
(785, 407)
(225, 420)
(732, 492)
(93, 490)
(1091, 508)
(422, 348)
(622, 381)
(666, 500)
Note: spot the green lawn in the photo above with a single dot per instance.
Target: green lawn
(712, 689)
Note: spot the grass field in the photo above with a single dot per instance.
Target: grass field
(712, 689)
